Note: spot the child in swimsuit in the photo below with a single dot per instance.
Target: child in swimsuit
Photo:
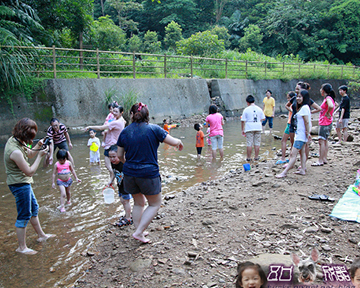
(63, 168)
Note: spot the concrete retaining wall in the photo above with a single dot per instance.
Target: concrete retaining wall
(233, 92)
(81, 102)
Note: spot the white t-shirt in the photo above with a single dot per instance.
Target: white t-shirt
(300, 134)
(252, 116)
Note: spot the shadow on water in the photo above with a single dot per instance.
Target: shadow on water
(88, 216)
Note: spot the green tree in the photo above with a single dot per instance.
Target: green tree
(105, 35)
(345, 19)
(222, 33)
(75, 15)
(201, 44)
(156, 16)
(18, 24)
(151, 43)
(123, 9)
(172, 35)
(252, 38)
(135, 44)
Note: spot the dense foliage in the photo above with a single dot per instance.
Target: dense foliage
(326, 31)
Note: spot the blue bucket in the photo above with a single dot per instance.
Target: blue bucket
(247, 166)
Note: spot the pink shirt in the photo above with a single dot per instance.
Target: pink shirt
(109, 118)
(115, 128)
(215, 124)
(323, 120)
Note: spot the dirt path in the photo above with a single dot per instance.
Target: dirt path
(201, 234)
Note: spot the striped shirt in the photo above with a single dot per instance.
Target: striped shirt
(58, 136)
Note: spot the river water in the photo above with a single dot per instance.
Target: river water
(88, 216)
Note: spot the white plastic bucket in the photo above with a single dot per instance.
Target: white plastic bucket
(109, 195)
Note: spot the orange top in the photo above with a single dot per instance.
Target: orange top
(168, 127)
(289, 117)
(200, 139)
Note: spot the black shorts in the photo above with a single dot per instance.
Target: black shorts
(106, 152)
(146, 186)
(198, 149)
(61, 145)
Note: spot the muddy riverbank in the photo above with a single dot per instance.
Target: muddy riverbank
(201, 233)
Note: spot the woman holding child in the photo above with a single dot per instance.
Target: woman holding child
(114, 129)
(139, 143)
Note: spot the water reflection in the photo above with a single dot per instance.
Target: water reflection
(88, 216)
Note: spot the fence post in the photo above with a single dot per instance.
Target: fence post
(191, 65)
(134, 72)
(265, 69)
(354, 71)
(226, 68)
(165, 65)
(283, 67)
(328, 71)
(246, 69)
(97, 63)
(314, 68)
(342, 70)
(299, 71)
(54, 61)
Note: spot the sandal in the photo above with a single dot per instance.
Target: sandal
(124, 222)
(321, 197)
(256, 158)
(282, 161)
(248, 159)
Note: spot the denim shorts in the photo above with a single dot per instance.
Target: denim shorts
(146, 186)
(217, 142)
(26, 204)
(270, 121)
(122, 193)
(299, 144)
(324, 131)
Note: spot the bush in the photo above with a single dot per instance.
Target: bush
(201, 44)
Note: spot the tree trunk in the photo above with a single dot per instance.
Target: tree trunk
(81, 59)
(102, 7)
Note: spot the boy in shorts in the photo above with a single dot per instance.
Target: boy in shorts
(117, 166)
(344, 114)
(251, 127)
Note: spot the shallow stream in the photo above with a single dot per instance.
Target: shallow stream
(88, 216)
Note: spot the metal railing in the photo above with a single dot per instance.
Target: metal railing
(52, 62)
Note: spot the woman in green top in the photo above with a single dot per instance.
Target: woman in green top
(19, 178)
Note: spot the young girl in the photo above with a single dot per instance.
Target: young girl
(355, 273)
(215, 120)
(63, 167)
(286, 134)
(250, 275)
(303, 127)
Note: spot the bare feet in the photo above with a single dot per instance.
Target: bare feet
(281, 175)
(45, 237)
(141, 238)
(26, 251)
(300, 172)
(145, 233)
